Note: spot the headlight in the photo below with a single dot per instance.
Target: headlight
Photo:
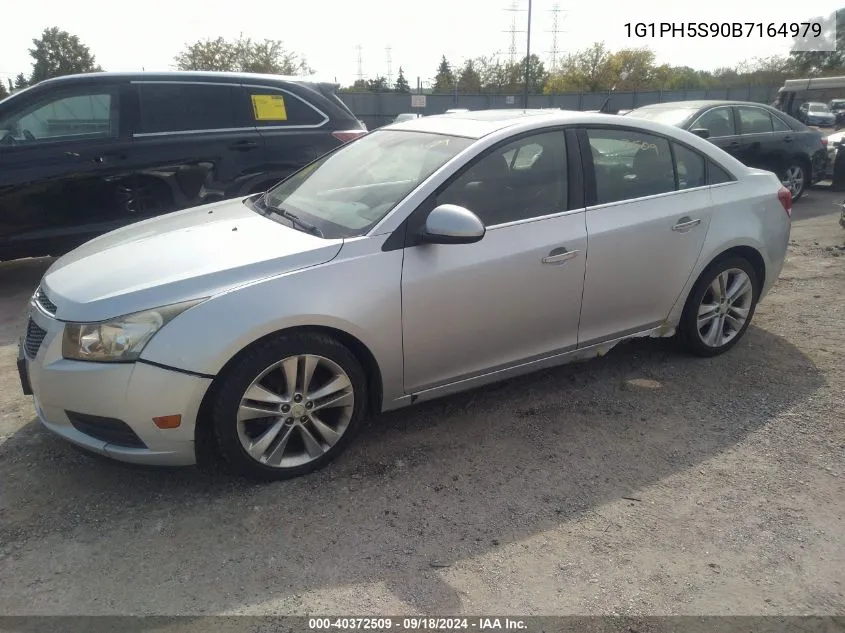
(121, 339)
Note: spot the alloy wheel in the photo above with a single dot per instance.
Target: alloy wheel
(793, 179)
(295, 411)
(725, 307)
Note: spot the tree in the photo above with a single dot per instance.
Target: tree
(444, 81)
(631, 68)
(379, 84)
(3, 92)
(20, 82)
(590, 70)
(537, 74)
(469, 80)
(402, 85)
(58, 53)
(242, 55)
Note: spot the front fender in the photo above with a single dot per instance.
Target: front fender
(358, 293)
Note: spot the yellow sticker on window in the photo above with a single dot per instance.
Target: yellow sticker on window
(269, 108)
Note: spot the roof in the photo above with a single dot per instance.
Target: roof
(480, 123)
(175, 75)
(690, 105)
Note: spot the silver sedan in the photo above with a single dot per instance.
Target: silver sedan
(425, 258)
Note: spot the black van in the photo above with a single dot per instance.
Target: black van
(85, 154)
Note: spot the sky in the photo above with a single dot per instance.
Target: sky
(329, 32)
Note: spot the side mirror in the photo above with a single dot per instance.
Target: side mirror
(703, 132)
(451, 224)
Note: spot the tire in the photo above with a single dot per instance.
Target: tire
(796, 177)
(694, 337)
(283, 442)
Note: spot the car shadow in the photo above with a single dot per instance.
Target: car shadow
(419, 490)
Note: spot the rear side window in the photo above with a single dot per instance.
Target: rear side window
(690, 167)
(754, 120)
(185, 107)
(716, 175)
(271, 107)
(630, 164)
(779, 125)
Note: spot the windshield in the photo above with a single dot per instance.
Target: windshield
(345, 193)
(818, 107)
(669, 116)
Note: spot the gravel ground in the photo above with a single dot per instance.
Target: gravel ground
(642, 483)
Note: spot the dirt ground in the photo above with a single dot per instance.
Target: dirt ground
(642, 483)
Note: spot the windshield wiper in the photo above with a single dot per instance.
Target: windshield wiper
(294, 219)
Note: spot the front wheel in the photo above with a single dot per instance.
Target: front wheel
(289, 406)
(795, 178)
(720, 307)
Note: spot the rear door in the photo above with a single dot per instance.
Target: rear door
(762, 146)
(190, 146)
(293, 129)
(720, 122)
(648, 212)
(62, 167)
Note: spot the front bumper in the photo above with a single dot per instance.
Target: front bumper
(108, 408)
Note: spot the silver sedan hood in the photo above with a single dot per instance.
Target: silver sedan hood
(181, 256)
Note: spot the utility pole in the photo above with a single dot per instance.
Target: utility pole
(389, 67)
(514, 8)
(360, 63)
(527, 56)
(556, 31)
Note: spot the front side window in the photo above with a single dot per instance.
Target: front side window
(630, 164)
(77, 115)
(185, 107)
(717, 121)
(521, 180)
(754, 120)
(347, 192)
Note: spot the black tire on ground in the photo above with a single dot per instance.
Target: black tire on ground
(688, 333)
(228, 393)
(807, 176)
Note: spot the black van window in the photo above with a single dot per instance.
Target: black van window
(80, 114)
(271, 108)
(185, 107)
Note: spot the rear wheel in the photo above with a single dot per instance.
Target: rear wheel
(289, 406)
(795, 178)
(720, 307)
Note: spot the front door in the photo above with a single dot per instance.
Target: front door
(62, 162)
(515, 295)
(647, 218)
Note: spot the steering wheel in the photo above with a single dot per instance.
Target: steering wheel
(29, 136)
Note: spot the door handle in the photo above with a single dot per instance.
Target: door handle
(243, 146)
(685, 224)
(734, 144)
(787, 139)
(559, 256)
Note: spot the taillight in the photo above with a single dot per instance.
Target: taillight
(824, 142)
(785, 199)
(348, 135)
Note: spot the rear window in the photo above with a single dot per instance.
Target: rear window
(273, 107)
(669, 116)
(185, 107)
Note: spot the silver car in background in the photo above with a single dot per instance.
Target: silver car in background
(423, 259)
